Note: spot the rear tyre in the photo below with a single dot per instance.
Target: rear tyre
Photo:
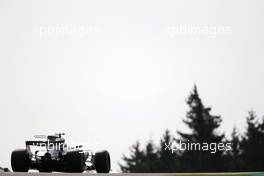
(20, 161)
(74, 161)
(102, 162)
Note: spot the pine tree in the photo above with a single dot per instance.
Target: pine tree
(135, 162)
(253, 144)
(151, 158)
(141, 161)
(203, 128)
(233, 160)
(168, 160)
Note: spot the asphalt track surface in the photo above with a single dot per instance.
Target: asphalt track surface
(130, 174)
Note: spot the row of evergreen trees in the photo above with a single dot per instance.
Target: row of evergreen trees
(246, 154)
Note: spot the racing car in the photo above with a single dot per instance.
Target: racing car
(51, 153)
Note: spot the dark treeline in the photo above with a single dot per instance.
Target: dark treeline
(240, 152)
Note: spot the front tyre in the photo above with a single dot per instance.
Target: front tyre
(102, 162)
(20, 161)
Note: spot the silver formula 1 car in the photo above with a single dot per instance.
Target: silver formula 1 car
(51, 153)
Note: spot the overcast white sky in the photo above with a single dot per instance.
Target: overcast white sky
(119, 71)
